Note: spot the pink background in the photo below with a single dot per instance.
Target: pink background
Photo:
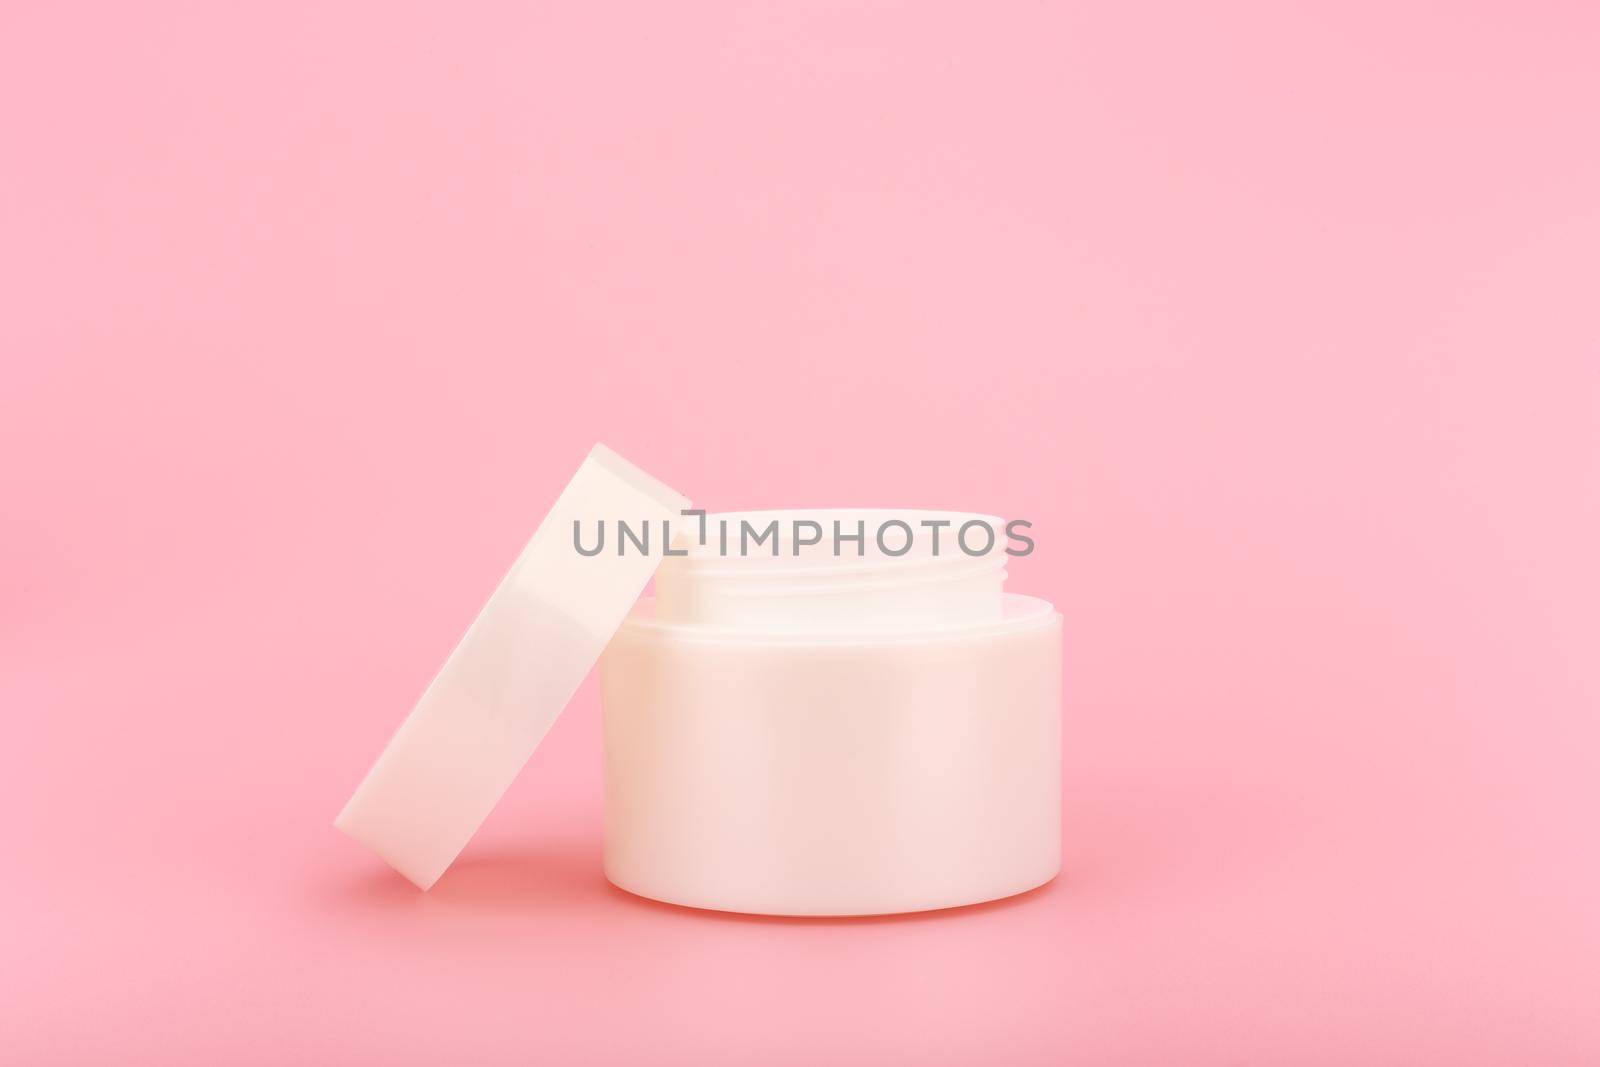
(1281, 322)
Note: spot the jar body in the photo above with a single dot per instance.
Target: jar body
(891, 773)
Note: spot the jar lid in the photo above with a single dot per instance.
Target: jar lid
(515, 670)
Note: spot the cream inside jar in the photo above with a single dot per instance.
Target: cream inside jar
(826, 728)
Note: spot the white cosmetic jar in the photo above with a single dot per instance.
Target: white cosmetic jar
(798, 732)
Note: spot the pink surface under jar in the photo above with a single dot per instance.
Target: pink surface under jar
(817, 734)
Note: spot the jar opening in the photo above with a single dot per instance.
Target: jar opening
(860, 567)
